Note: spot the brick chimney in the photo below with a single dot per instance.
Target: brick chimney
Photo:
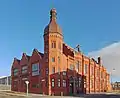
(99, 60)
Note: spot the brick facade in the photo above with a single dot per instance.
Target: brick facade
(60, 69)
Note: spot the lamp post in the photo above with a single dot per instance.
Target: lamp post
(27, 82)
(43, 80)
(111, 77)
(112, 74)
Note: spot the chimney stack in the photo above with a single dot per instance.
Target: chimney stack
(99, 60)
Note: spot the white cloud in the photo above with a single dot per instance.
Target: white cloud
(110, 56)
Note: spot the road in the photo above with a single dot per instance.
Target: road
(10, 95)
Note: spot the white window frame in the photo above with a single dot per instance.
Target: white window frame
(35, 72)
(53, 83)
(64, 83)
(59, 84)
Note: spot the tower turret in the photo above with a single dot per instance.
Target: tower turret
(53, 46)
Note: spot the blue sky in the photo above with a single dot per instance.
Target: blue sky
(93, 24)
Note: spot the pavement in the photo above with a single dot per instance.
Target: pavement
(10, 94)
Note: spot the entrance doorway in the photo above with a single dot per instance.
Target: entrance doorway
(71, 88)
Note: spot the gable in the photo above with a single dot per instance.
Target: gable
(15, 63)
(24, 59)
(36, 56)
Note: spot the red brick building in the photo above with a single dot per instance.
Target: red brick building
(60, 69)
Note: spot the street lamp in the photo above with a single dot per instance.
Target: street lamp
(112, 74)
(111, 77)
(43, 80)
(27, 82)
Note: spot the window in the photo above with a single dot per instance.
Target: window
(24, 78)
(53, 59)
(92, 70)
(35, 69)
(53, 70)
(46, 70)
(58, 70)
(118, 85)
(58, 82)
(24, 69)
(85, 68)
(15, 72)
(77, 66)
(71, 67)
(58, 59)
(91, 83)
(53, 44)
(98, 72)
(64, 73)
(98, 85)
(79, 82)
(64, 83)
(53, 82)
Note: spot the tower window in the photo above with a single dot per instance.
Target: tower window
(53, 59)
(53, 44)
(53, 70)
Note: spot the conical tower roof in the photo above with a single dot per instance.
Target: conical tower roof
(53, 27)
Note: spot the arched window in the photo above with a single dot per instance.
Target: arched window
(53, 44)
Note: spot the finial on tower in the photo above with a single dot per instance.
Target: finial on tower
(53, 13)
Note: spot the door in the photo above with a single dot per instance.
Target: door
(71, 88)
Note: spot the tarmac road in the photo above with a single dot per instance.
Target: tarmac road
(11, 95)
